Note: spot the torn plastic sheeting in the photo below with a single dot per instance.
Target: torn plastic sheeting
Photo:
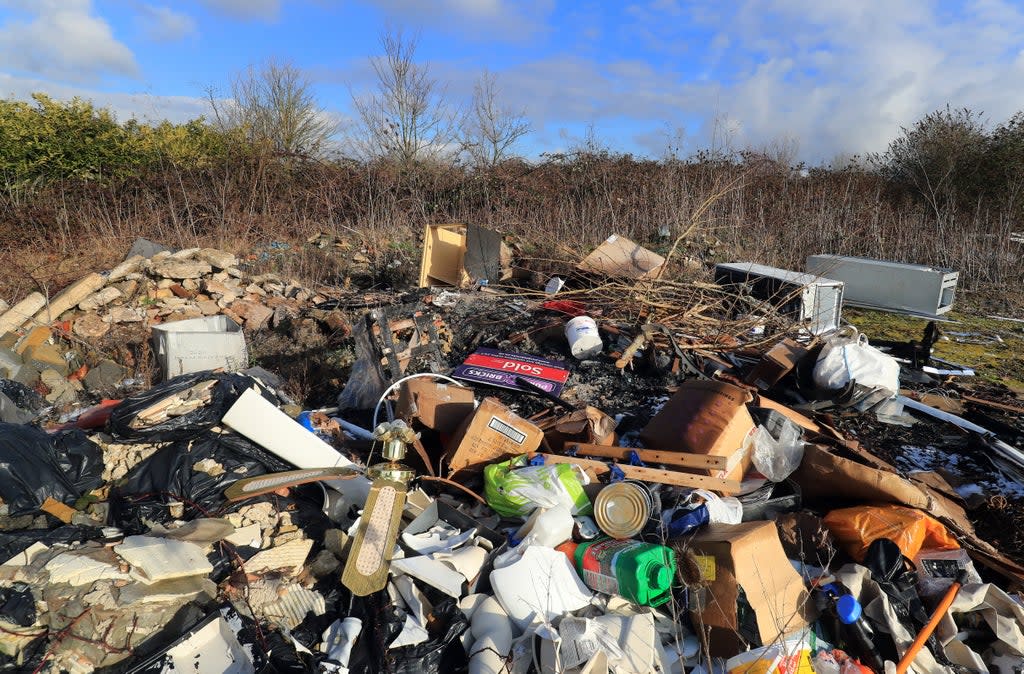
(35, 466)
(17, 605)
(22, 396)
(12, 414)
(366, 380)
(382, 622)
(127, 426)
(426, 658)
(15, 542)
(168, 477)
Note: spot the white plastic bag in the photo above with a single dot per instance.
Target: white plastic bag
(721, 509)
(847, 356)
(778, 459)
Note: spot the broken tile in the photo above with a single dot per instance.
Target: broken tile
(292, 606)
(288, 558)
(175, 589)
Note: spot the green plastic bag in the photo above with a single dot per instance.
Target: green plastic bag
(514, 489)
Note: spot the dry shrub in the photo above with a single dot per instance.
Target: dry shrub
(757, 210)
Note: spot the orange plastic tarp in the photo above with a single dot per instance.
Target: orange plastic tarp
(912, 530)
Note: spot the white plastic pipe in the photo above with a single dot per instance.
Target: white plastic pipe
(492, 638)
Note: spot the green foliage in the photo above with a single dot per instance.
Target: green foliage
(47, 140)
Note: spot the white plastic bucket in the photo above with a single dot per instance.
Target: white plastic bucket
(584, 339)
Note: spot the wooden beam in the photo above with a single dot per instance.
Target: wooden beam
(683, 459)
(671, 477)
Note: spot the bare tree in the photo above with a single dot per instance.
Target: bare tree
(407, 118)
(274, 103)
(489, 130)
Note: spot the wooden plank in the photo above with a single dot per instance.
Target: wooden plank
(993, 404)
(671, 477)
(683, 459)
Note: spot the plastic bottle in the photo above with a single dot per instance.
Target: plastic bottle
(858, 632)
(640, 572)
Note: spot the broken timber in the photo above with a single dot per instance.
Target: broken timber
(658, 475)
(682, 459)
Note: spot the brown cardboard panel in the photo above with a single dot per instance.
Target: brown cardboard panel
(440, 406)
(748, 556)
(492, 433)
(620, 257)
(832, 481)
(776, 363)
(705, 417)
(589, 426)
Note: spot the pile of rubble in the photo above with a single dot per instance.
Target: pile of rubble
(512, 480)
(57, 345)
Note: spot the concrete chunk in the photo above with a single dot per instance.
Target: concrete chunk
(180, 269)
(99, 299)
(220, 259)
(131, 265)
(69, 298)
(255, 315)
(90, 326)
(21, 312)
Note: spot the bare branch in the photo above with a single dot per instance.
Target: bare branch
(490, 131)
(274, 104)
(407, 119)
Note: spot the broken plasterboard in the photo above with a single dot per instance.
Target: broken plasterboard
(156, 559)
(620, 257)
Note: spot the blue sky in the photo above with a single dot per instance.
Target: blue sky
(813, 79)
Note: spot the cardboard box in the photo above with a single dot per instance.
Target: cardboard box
(438, 405)
(444, 248)
(776, 364)
(747, 556)
(492, 433)
(705, 417)
(463, 255)
(620, 257)
(501, 368)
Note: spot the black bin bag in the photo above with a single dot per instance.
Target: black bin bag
(169, 476)
(227, 388)
(35, 466)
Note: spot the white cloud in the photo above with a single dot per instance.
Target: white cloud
(141, 106)
(839, 78)
(63, 39)
(501, 20)
(843, 77)
(163, 24)
(266, 10)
